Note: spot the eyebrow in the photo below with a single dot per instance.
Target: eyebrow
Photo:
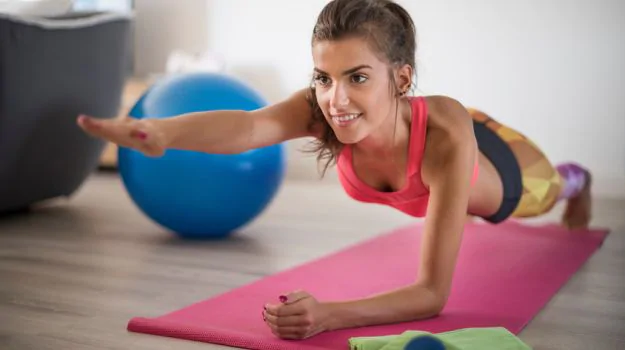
(349, 71)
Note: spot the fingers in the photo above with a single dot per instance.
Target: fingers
(299, 320)
(283, 310)
(292, 318)
(122, 131)
(90, 125)
(138, 134)
(290, 304)
(288, 327)
(106, 129)
(294, 297)
(289, 332)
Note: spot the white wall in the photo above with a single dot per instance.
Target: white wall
(164, 25)
(538, 66)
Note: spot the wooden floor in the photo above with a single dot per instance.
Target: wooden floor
(74, 272)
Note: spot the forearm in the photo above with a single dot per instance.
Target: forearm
(405, 304)
(222, 132)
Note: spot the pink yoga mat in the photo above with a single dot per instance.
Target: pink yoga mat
(505, 274)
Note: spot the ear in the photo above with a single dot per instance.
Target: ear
(403, 77)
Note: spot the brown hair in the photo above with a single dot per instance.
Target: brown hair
(390, 32)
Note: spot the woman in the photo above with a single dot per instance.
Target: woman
(426, 156)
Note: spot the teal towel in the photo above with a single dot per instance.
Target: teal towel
(488, 338)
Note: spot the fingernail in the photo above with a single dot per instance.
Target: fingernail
(282, 298)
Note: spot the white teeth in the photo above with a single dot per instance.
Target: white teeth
(347, 117)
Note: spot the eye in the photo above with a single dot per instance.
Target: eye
(321, 79)
(359, 78)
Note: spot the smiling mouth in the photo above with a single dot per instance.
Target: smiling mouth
(345, 119)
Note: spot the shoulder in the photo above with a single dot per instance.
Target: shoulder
(449, 115)
(449, 138)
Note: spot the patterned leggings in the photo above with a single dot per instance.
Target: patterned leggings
(542, 183)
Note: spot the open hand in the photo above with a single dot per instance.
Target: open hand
(128, 132)
(298, 316)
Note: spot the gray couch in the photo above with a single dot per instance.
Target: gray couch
(51, 70)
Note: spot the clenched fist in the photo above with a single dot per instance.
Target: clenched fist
(298, 316)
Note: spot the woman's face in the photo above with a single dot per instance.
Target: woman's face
(352, 88)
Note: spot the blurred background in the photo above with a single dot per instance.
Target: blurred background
(553, 70)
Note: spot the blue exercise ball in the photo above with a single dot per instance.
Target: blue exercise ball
(196, 194)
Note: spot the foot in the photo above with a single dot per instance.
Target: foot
(578, 210)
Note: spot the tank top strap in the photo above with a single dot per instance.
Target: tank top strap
(418, 128)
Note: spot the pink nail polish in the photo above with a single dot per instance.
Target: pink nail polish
(282, 298)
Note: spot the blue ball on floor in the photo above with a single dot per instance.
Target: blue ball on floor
(425, 342)
(195, 194)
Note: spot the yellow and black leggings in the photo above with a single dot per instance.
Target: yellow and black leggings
(531, 184)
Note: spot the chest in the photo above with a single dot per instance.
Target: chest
(383, 174)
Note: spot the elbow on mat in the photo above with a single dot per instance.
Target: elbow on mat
(440, 300)
(429, 303)
(436, 307)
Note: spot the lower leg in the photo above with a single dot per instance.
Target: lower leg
(576, 190)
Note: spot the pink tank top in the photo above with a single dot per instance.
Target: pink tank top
(413, 198)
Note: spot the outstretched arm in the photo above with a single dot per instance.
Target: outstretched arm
(220, 131)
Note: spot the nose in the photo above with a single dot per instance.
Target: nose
(339, 97)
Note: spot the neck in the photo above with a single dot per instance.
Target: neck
(393, 133)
